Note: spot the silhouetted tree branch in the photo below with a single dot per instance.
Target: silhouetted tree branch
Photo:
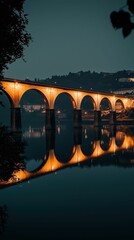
(13, 34)
(3, 218)
(122, 19)
(1, 104)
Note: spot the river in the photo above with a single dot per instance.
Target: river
(74, 184)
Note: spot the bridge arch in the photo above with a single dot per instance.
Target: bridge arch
(64, 139)
(9, 98)
(105, 103)
(120, 110)
(68, 95)
(67, 157)
(37, 91)
(6, 109)
(33, 166)
(99, 98)
(106, 140)
(64, 106)
(88, 141)
(87, 107)
(33, 104)
(119, 139)
(105, 108)
(119, 105)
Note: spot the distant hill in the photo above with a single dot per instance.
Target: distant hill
(87, 80)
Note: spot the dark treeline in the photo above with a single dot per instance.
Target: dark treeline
(87, 80)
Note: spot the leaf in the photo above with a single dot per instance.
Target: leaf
(115, 20)
(127, 29)
(120, 19)
(130, 4)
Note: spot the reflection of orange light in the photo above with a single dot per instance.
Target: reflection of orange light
(58, 111)
(113, 98)
(16, 85)
(120, 136)
(52, 90)
(52, 167)
(78, 94)
(58, 130)
(52, 163)
(98, 96)
(126, 100)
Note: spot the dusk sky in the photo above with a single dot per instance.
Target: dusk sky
(70, 36)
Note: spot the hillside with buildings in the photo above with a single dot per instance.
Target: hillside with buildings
(121, 82)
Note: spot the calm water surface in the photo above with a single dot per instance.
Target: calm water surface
(76, 184)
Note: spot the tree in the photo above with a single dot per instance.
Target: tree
(1, 88)
(1, 104)
(3, 218)
(13, 34)
(11, 154)
(122, 19)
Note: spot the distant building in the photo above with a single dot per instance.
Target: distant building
(33, 107)
(124, 80)
(124, 91)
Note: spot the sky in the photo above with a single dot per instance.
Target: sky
(72, 36)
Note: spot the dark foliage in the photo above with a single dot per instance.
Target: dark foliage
(13, 34)
(130, 4)
(3, 218)
(1, 94)
(1, 88)
(122, 19)
(11, 154)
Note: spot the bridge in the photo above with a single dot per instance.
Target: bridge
(15, 89)
(118, 141)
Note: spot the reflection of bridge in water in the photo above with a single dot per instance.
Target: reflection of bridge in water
(15, 90)
(118, 140)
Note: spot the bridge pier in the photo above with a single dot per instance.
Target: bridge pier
(50, 141)
(97, 133)
(77, 118)
(97, 117)
(113, 131)
(15, 118)
(50, 118)
(77, 136)
(112, 117)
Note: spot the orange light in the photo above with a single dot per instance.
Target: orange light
(98, 96)
(16, 85)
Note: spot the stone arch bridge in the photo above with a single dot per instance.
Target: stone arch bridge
(15, 89)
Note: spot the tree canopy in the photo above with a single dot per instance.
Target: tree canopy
(13, 34)
(122, 19)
